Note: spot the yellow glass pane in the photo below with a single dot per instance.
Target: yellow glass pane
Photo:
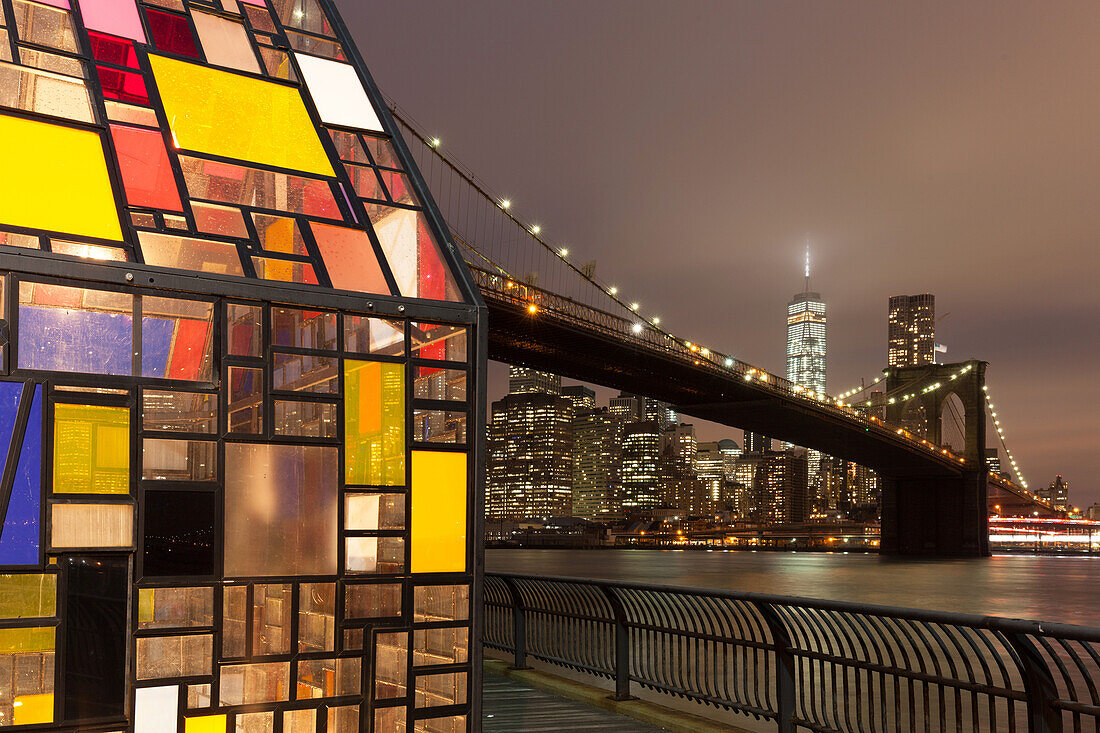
(31, 595)
(205, 724)
(438, 512)
(23, 641)
(55, 178)
(31, 709)
(374, 417)
(234, 116)
(91, 449)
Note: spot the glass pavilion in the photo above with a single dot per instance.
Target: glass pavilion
(238, 359)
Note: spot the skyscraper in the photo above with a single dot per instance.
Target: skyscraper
(779, 490)
(912, 331)
(659, 412)
(597, 461)
(583, 398)
(806, 338)
(530, 467)
(757, 443)
(806, 351)
(641, 472)
(522, 380)
(627, 406)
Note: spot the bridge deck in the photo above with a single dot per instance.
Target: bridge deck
(510, 707)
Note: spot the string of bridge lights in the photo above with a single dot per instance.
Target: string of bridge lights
(753, 373)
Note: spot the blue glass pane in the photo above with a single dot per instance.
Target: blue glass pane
(70, 340)
(9, 406)
(19, 539)
(156, 344)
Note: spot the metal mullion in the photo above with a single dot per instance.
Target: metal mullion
(111, 275)
(424, 403)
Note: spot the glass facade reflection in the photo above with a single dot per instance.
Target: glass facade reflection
(237, 369)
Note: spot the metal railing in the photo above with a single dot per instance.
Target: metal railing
(804, 664)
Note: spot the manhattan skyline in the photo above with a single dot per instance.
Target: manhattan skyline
(912, 163)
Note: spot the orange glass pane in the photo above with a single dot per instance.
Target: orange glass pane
(146, 171)
(350, 259)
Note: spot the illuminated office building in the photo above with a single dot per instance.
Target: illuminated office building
(806, 353)
(628, 407)
(522, 380)
(530, 465)
(912, 330)
(583, 398)
(597, 463)
(779, 489)
(236, 386)
(641, 466)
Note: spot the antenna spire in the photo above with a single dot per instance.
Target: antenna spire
(807, 267)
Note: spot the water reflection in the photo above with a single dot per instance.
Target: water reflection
(1062, 589)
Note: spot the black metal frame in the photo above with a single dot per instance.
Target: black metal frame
(801, 663)
(137, 278)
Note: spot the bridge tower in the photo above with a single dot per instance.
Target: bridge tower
(936, 515)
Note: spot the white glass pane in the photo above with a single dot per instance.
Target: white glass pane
(338, 93)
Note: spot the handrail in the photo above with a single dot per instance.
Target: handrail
(802, 663)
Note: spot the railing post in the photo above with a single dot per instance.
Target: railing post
(519, 625)
(784, 668)
(622, 645)
(1042, 717)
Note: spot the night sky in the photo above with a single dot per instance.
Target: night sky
(693, 148)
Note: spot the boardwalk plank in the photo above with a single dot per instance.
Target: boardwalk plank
(509, 707)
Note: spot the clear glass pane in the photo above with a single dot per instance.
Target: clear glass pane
(372, 512)
(271, 615)
(381, 555)
(376, 600)
(161, 657)
(439, 426)
(365, 335)
(43, 25)
(166, 608)
(177, 339)
(234, 184)
(280, 510)
(234, 621)
(246, 400)
(305, 373)
(433, 690)
(303, 329)
(92, 525)
(305, 419)
(391, 654)
(244, 324)
(441, 646)
(438, 341)
(441, 603)
(179, 412)
(189, 253)
(317, 617)
(432, 383)
(179, 460)
(248, 684)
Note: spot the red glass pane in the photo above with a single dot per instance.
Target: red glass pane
(171, 33)
(189, 352)
(433, 272)
(125, 86)
(113, 50)
(146, 171)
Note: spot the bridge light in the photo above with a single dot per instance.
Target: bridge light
(748, 376)
(435, 142)
(635, 306)
(729, 362)
(505, 203)
(706, 351)
(536, 229)
(532, 309)
(564, 252)
(636, 328)
(613, 290)
(656, 320)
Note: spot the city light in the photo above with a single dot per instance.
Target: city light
(535, 229)
(637, 328)
(532, 308)
(505, 203)
(435, 142)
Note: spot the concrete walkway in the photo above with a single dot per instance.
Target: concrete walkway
(510, 707)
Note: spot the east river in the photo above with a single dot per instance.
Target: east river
(1046, 588)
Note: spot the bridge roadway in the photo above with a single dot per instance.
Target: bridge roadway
(934, 502)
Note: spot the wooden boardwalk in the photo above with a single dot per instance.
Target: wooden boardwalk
(510, 707)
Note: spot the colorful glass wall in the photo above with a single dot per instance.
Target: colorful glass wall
(237, 370)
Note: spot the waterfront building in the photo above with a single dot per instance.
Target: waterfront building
(659, 412)
(1057, 493)
(530, 462)
(780, 491)
(806, 356)
(756, 443)
(641, 467)
(628, 407)
(993, 460)
(583, 398)
(711, 467)
(912, 330)
(682, 444)
(235, 317)
(522, 380)
(597, 463)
